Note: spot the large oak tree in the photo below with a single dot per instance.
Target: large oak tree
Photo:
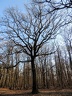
(30, 32)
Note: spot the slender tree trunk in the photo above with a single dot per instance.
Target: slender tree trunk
(70, 59)
(43, 77)
(34, 86)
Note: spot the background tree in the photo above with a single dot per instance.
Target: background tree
(68, 42)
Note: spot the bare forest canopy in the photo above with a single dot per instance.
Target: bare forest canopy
(31, 54)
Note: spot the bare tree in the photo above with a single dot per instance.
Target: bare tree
(68, 42)
(30, 33)
(54, 5)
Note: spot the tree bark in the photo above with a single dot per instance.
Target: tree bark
(34, 84)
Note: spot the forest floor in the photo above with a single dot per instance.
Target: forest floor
(43, 92)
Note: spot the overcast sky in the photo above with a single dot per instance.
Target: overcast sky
(12, 3)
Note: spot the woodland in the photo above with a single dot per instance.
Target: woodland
(36, 49)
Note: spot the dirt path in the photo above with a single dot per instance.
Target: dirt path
(4, 91)
(7, 92)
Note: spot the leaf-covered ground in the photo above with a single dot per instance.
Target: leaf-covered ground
(7, 92)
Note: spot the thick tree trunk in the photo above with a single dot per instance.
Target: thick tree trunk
(34, 86)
